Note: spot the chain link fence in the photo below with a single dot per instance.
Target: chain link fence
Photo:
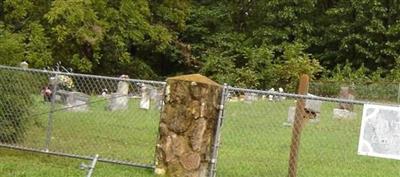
(387, 92)
(257, 131)
(79, 115)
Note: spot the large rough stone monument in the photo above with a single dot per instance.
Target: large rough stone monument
(119, 100)
(187, 126)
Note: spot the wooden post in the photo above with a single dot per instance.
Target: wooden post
(187, 126)
(299, 122)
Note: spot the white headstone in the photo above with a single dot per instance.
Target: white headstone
(119, 100)
(281, 91)
(24, 65)
(158, 99)
(313, 105)
(271, 97)
(123, 88)
(145, 98)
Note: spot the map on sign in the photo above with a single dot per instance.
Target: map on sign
(380, 132)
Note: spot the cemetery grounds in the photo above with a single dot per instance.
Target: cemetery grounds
(255, 142)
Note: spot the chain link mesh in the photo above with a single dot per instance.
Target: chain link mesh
(387, 92)
(257, 131)
(83, 115)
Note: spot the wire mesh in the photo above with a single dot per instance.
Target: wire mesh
(78, 115)
(257, 131)
(387, 92)
(67, 113)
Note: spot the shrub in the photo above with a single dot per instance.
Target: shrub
(15, 103)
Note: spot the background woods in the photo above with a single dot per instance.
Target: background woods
(258, 44)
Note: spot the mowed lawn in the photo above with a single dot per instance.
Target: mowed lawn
(255, 142)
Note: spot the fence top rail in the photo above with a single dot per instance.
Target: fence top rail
(81, 75)
(308, 97)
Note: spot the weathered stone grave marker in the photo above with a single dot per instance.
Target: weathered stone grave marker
(187, 126)
(119, 100)
(76, 101)
(345, 110)
(312, 106)
(250, 97)
(24, 65)
(145, 98)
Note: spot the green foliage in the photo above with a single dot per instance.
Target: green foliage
(11, 47)
(15, 105)
(267, 42)
(295, 63)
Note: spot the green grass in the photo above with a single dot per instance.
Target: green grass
(125, 135)
(26, 164)
(254, 143)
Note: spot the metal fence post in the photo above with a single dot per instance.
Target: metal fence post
(52, 109)
(90, 168)
(398, 94)
(216, 144)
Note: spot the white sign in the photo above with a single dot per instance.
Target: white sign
(380, 132)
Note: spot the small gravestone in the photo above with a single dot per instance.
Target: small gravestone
(158, 99)
(145, 98)
(74, 101)
(280, 98)
(343, 114)
(119, 100)
(312, 106)
(123, 86)
(346, 93)
(77, 101)
(271, 97)
(344, 110)
(250, 97)
(61, 96)
(24, 65)
(104, 92)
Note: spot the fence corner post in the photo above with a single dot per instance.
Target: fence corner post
(299, 121)
(187, 126)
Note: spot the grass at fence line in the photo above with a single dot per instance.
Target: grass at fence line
(124, 134)
(26, 164)
(255, 142)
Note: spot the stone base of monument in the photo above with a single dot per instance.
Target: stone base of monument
(291, 115)
(343, 114)
(74, 101)
(117, 102)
